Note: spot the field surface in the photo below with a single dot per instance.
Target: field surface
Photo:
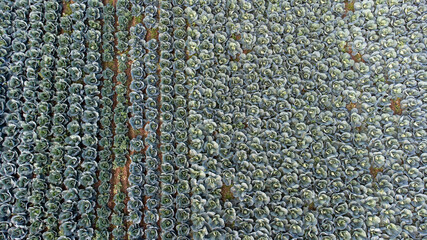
(213, 119)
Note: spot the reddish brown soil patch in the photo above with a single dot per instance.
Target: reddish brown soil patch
(226, 192)
(66, 9)
(356, 57)
(396, 106)
(350, 106)
(374, 171)
(349, 7)
(236, 59)
(152, 33)
(311, 207)
(115, 179)
(236, 37)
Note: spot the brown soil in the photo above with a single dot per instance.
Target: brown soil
(356, 57)
(374, 171)
(237, 59)
(350, 106)
(311, 207)
(349, 7)
(396, 106)
(236, 37)
(132, 134)
(151, 34)
(226, 193)
(66, 10)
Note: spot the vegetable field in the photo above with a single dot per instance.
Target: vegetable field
(213, 119)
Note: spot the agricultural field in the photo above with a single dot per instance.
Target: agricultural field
(213, 119)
